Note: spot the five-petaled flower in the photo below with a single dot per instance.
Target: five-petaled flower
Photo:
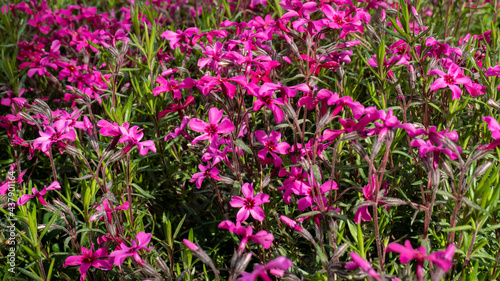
(272, 145)
(38, 194)
(262, 237)
(119, 256)
(213, 128)
(88, 259)
(250, 204)
(56, 134)
(406, 253)
(206, 171)
(451, 79)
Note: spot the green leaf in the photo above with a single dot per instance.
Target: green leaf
(458, 228)
(51, 221)
(142, 191)
(243, 146)
(179, 227)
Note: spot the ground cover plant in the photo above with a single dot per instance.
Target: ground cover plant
(249, 140)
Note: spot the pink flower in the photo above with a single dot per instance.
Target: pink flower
(180, 130)
(266, 98)
(442, 259)
(451, 79)
(311, 190)
(56, 134)
(209, 83)
(291, 223)
(298, 9)
(494, 127)
(179, 108)
(108, 129)
(11, 180)
(250, 204)
(295, 179)
(389, 123)
(38, 194)
(88, 259)
(359, 262)
(191, 246)
(276, 267)
(206, 171)
(362, 213)
(133, 137)
(213, 129)
(172, 86)
(143, 240)
(272, 145)
(180, 36)
(108, 210)
(262, 237)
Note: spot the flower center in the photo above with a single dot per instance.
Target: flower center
(267, 100)
(271, 146)
(211, 130)
(55, 136)
(338, 19)
(89, 259)
(449, 79)
(249, 203)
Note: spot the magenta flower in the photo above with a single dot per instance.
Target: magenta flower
(276, 267)
(4, 186)
(180, 36)
(133, 137)
(493, 71)
(179, 108)
(310, 191)
(209, 83)
(143, 240)
(180, 130)
(108, 210)
(250, 204)
(272, 145)
(441, 49)
(295, 180)
(494, 127)
(327, 97)
(38, 194)
(298, 9)
(206, 171)
(262, 237)
(362, 212)
(425, 147)
(451, 79)
(56, 134)
(265, 97)
(108, 129)
(388, 123)
(213, 128)
(172, 86)
(359, 262)
(191, 246)
(88, 259)
(406, 254)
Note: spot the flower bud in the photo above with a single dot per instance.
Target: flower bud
(494, 104)
(27, 117)
(482, 169)
(413, 77)
(359, 149)
(162, 265)
(73, 150)
(114, 52)
(391, 12)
